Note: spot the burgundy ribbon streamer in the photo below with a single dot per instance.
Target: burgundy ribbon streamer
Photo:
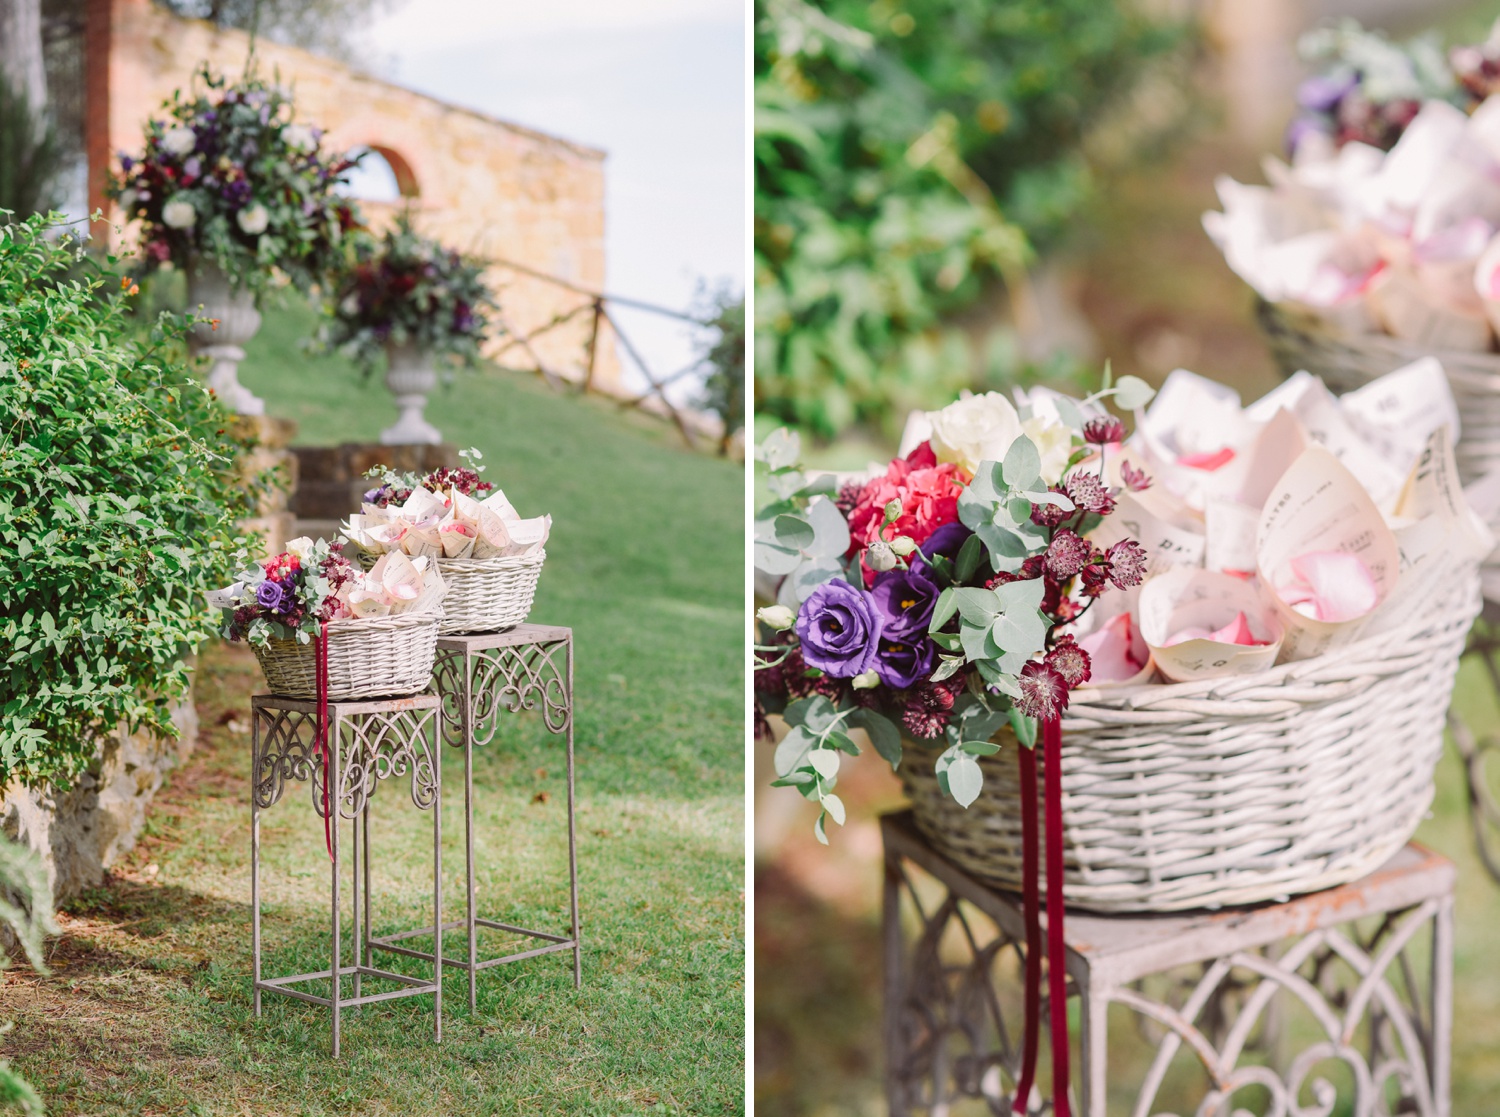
(1031, 903)
(320, 737)
(1057, 970)
(1051, 744)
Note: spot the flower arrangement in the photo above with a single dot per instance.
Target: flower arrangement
(934, 596)
(406, 289)
(229, 177)
(441, 515)
(1385, 222)
(292, 595)
(1016, 554)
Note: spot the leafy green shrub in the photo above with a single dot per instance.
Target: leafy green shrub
(723, 358)
(907, 152)
(118, 503)
(26, 909)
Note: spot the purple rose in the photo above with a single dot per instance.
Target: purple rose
(904, 599)
(268, 595)
(1322, 93)
(946, 541)
(839, 629)
(902, 661)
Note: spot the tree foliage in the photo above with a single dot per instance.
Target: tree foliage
(327, 26)
(31, 156)
(119, 497)
(723, 360)
(907, 153)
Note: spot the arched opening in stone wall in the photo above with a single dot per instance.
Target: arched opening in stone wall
(382, 175)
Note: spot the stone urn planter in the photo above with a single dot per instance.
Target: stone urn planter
(411, 378)
(234, 308)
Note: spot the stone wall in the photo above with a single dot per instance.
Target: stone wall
(331, 479)
(82, 831)
(496, 189)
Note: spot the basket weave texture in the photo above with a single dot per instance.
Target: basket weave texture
(1227, 791)
(483, 595)
(377, 657)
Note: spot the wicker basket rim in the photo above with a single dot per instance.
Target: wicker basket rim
(499, 562)
(1314, 329)
(366, 624)
(1356, 651)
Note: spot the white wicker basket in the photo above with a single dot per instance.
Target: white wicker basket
(482, 595)
(377, 657)
(1227, 791)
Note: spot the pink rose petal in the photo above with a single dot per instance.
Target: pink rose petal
(1207, 462)
(1236, 631)
(1109, 648)
(1330, 586)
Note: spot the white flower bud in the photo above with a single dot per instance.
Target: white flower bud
(879, 557)
(179, 140)
(253, 219)
(868, 681)
(903, 545)
(778, 617)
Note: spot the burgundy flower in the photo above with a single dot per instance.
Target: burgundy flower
(1103, 431)
(929, 706)
(1049, 515)
(1044, 692)
(1088, 492)
(1095, 577)
(1070, 661)
(1066, 555)
(1127, 563)
(1135, 479)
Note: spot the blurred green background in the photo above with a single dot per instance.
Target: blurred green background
(961, 193)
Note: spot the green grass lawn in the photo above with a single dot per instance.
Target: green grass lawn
(148, 1011)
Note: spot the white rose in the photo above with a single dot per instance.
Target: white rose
(299, 137)
(1054, 442)
(179, 140)
(253, 219)
(973, 430)
(301, 547)
(179, 214)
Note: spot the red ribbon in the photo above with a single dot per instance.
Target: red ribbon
(1057, 978)
(320, 737)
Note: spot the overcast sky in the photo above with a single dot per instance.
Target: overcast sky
(659, 84)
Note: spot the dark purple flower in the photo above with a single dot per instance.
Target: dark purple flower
(946, 541)
(904, 661)
(126, 162)
(268, 595)
(839, 628)
(1322, 93)
(904, 599)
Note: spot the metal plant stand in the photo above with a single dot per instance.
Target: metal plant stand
(529, 667)
(1204, 985)
(369, 741)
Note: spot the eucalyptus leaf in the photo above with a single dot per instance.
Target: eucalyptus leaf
(785, 484)
(830, 529)
(835, 807)
(781, 449)
(791, 750)
(980, 748)
(841, 741)
(1131, 393)
(819, 831)
(1068, 412)
(825, 762)
(773, 559)
(942, 610)
(815, 712)
(977, 605)
(1047, 496)
(965, 780)
(793, 532)
(948, 665)
(968, 559)
(811, 573)
(1023, 464)
(883, 734)
(1025, 728)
